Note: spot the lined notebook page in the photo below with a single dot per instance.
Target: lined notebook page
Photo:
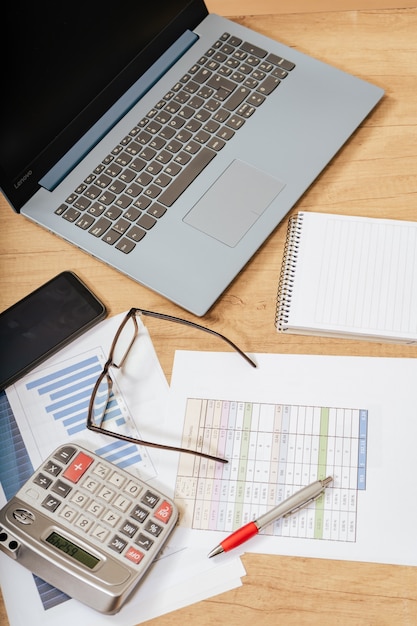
(354, 275)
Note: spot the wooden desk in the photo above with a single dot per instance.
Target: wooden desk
(375, 174)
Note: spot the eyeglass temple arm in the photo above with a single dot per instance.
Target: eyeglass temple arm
(150, 444)
(171, 318)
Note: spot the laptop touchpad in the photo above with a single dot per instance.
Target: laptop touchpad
(234, 202)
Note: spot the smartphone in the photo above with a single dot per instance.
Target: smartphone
(43, 322)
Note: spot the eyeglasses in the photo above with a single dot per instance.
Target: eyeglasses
(122, 343)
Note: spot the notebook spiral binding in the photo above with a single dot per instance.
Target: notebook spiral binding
(287, 274)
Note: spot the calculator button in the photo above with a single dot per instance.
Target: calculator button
(43, 481)
(84, 523)
(150, 499)
(68, 513)
(61, 488)
(164, 512)
(117, 479)
(144, 542)
(52, 468)
(153, 529)
(78, 467)
(79, 498)
(133, 489)
(140, 514)
(134, 555)
(110, 518)
(100, 533)
(117, 544)
(101, 470)
(95, 508)
(122, 503)
(128, 529)
(65, 454)
(91, 485)
(51, 503)
(106, 494)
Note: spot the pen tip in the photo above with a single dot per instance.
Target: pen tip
(215, 551)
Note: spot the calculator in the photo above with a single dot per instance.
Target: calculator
(87, 527)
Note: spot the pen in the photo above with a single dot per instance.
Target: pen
(297, 501)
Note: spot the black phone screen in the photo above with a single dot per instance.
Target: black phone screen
(44, 321)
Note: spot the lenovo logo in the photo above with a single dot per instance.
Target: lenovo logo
(23, 179)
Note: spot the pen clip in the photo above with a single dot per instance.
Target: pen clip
(303, 504)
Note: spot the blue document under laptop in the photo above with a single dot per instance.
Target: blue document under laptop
(166, 142)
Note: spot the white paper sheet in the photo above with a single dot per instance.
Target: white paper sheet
(372, 518)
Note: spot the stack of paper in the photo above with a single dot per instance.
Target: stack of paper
(47, 408)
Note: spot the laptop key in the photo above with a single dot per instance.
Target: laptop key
(82, 203)
(132, 213)
(186, 177)
(146, 221)
(124, 245)
(268, 85)
(255, 50)
(220, 82)
(121, 226)
(157, 210)
(136, 233)
(61, 209)
(111, 237)
(85, 221)
(236, 98)
(216, 144)
(71, 215)
(284, 63)
(100, 227)
(235, 122)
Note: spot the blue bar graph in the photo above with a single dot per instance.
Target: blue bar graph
(65, 394)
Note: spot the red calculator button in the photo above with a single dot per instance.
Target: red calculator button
(164, 512)
(134, 555)
(78, 467)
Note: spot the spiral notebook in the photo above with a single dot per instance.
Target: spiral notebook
(347, 276)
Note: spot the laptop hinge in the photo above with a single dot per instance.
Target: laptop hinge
(61, 169)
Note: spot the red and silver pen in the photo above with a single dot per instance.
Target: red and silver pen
(297, 501)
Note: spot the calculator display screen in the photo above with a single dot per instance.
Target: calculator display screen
(72, 550)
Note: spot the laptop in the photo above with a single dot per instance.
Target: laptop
(165, 141)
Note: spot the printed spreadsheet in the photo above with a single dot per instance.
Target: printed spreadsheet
(273, 450)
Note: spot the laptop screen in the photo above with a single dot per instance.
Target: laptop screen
(65, 66)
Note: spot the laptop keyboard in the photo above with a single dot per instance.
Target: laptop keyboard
(135, 185)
